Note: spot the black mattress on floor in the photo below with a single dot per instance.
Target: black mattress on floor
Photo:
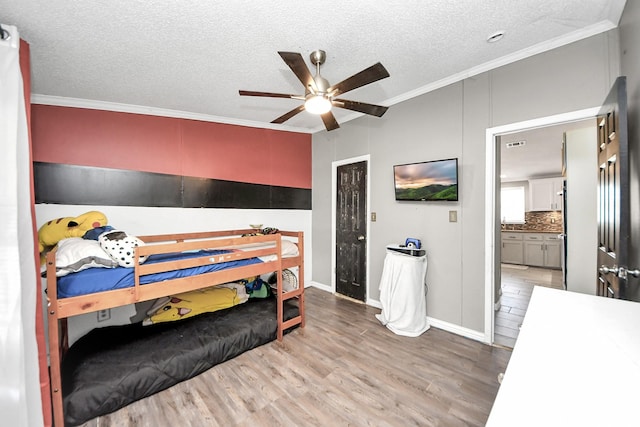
(111, 367)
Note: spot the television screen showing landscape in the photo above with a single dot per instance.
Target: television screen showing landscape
(427, 181)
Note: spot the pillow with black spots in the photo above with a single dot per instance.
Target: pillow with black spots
(121, 247)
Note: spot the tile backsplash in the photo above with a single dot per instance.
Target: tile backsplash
(539, 221)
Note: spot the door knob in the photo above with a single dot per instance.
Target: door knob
(624, 272)
(619, 271)
(605, 270)
(360, 237)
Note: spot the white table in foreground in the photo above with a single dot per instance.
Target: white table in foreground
(576, 363)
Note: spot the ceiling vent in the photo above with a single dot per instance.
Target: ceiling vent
(516, 144)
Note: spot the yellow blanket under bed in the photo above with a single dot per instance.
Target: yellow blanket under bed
(188, 304)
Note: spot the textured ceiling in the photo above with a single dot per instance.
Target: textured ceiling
(541, 154)
(193, 56)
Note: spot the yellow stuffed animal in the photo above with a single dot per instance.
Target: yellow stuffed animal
(188, 304)
(57, 229)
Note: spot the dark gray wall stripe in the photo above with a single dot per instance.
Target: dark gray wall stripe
(83, 185)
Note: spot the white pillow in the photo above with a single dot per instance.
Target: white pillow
(289, 249)
(77, 254)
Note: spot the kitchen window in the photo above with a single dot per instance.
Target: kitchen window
(512, 205)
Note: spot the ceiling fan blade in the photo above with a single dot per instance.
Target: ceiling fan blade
(362, 107)
(269, 94)
(295, 61)
(372, 74)
(329, 121)
(283, 118)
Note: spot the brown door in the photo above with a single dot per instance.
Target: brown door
(613, 194)
(351, 230)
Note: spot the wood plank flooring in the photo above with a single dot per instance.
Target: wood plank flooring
(517, 287)
(343, 369)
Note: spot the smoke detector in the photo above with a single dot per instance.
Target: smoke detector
(513, 144)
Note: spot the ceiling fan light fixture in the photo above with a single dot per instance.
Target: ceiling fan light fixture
(317, 104)
(319, 96)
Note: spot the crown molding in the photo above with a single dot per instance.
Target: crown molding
(89, 104)
(545, 46)
(548, 45)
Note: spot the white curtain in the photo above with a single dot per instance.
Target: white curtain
(20, 399)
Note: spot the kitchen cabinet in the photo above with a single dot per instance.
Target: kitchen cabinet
(512, 249)
(545, 194)
(534, 250)
(542, 250)
(552, 248)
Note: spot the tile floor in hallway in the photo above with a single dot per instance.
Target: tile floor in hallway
(517, 285)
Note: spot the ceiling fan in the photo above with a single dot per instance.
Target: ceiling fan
(319, 96)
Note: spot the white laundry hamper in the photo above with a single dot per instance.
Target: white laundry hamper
(402, 294)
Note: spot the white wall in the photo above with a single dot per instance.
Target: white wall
(452, 122)
(582, 206)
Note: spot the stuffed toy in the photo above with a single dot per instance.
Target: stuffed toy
(188, 304)
(256, 287)
(95, 233)
(121, 247)
(57, 229)
(266, 230)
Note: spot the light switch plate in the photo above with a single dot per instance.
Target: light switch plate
(453, 216)
(373, 217)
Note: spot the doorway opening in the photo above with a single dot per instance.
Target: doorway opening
(493, 220)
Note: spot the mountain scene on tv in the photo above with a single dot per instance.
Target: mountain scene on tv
(427, 181)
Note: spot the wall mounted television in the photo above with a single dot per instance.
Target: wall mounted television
(431, 181)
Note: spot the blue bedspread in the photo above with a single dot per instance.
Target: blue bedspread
(106, 279)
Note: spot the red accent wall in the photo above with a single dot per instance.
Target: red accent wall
(84, 137)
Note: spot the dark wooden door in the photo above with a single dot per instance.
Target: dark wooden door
(613, 193)
(351, 230)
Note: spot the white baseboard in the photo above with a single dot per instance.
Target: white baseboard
(440, 324)
(321, 286)
(374, 303)
(456, 329)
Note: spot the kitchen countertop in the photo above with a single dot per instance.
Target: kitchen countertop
(576, 363)
(530, 231)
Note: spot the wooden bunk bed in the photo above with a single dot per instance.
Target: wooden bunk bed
(234, 245)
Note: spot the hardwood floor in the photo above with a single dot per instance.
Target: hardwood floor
(343, 369)
(517, 285)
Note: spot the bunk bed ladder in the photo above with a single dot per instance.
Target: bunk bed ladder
(296, 293)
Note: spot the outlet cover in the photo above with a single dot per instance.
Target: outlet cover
(373, 217)
(104, 315)
(453, 216)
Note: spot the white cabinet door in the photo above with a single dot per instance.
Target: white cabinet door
(556, 193)
(544, 194)
(512, 248)
(552, 247)
(542, 250)
(534, 250)
(540, 195)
